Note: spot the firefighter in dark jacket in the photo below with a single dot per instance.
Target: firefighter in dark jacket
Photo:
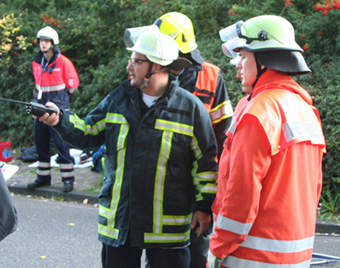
(56, 79)
(160, 161)
(205, 81)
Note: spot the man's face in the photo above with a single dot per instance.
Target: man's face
(138, 68)
(44, 44)
(247, 70)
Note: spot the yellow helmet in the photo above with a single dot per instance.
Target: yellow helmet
(180, 28)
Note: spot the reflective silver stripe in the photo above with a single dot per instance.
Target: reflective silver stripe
(174, 127)
(281, 246)
(44, 172)
(196, 149)
(177, 220)
(103, 230)
(233, 226)
(51, 88)
(67, 174)
(104, 211)
(165, 238)
(66, 166)
(208, 176)
(209, 188)
(116, 190)
(115, 118)
(87, 129)
(110, 213)
(232, 261)
(296, 129)
(160, 179)
(232, 127)
(220, 112)
(44, 164)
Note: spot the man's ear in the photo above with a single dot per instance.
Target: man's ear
(156, 67)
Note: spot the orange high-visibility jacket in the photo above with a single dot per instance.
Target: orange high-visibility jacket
(206, 88)
(270, 178)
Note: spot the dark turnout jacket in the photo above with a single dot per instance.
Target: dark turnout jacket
(8, 213)
(159, 166)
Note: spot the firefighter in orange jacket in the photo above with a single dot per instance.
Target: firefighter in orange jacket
(270, 171)
(56, 79)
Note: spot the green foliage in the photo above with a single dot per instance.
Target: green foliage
(330, 206)
(91, 36)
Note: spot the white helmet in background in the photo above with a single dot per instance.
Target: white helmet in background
(49, 33)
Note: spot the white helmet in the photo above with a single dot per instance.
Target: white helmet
(157, 47)
(49, 33)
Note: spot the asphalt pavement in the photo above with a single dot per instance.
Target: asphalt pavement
(327, 243)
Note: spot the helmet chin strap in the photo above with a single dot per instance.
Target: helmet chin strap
(260, 71)
(49, 49)
(148, 75)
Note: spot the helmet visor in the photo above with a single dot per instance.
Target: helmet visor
(131, 34)
(230, 35)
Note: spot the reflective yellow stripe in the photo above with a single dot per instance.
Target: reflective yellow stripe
(177, 220)
(209, 188)
(221, 111)
(110, 213)
(166, 237)
(232, 261)
(174, 127)
(163, 157)
(87, 129)
(109, 232)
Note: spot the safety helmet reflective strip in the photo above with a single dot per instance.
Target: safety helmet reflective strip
(159, 219)
(109, 213)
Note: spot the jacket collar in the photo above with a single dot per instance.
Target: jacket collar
(272, 80)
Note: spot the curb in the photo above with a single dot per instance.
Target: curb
(321, 227)
(327, 228)
(52, 192)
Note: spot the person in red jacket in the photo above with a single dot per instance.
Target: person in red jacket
(56, 79)
(270, 170)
